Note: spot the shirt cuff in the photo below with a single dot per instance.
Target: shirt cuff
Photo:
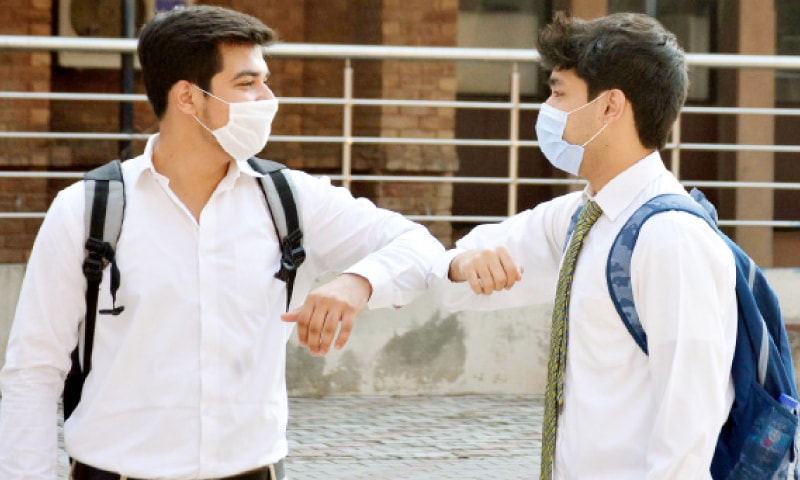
(379, 280)
(441, 268)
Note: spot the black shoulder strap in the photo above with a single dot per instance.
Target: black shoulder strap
(104, 210)
(276, 185)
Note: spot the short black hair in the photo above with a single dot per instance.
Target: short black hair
(627, 51)
(183, 44)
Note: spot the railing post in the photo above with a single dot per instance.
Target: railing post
(513, 150)
(127, 77)
(347, 126)
(675, 156)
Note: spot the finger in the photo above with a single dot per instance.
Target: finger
(346, 326)
(290, 317)
(474, 282)
(498, 275)
(486, 279)
(512, 273)
(303, 315)
(315, 324)
(332, 318)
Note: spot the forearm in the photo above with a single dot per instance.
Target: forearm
(398, 272)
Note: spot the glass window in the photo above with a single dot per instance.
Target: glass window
(497, 24)
(787, 82)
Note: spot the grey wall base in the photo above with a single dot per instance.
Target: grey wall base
(419, 350)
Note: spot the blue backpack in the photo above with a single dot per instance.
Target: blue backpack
(758, 439)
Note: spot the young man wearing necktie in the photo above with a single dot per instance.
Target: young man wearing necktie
(611, 411)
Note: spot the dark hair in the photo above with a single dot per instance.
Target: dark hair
(182, 44)
(627, 51)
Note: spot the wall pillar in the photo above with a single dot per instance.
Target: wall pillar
(588, 9)
(756, 88)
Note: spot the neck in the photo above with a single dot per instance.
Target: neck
(189, 157)
(609, 160)
(193, 166)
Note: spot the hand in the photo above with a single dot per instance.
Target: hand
(488, 270)
(326, 307)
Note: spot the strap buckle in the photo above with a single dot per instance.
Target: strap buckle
(292, 255)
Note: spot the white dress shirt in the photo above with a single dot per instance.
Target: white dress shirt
(627, 416)
(189, 381)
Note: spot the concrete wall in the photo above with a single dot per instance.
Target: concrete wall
(419, 350)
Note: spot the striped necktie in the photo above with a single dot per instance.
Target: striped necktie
(556, 366)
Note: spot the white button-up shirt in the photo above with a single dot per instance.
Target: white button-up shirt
(627, 416)
(188, 382)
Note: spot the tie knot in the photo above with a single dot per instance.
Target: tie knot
(590, 213)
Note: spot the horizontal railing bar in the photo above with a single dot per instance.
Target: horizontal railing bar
(471, 219)
(456, 180)
(760, 223)
(383, 52)
(733, 184)
(75, 136)
(722, 147)
(21, 215)
(376, 102)
(40, 174)
(96, 97)
(741, 110)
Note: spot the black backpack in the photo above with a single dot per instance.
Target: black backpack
(105, 209)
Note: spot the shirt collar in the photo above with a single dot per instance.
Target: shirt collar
(618, 194)
(235, 170)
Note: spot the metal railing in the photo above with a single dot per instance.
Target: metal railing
(347, 53)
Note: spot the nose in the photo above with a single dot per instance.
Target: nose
(265, 93)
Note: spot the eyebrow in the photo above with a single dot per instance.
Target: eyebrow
(554, 81)
(248, 73)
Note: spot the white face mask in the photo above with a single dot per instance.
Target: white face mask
(550, 127)
(248, 127)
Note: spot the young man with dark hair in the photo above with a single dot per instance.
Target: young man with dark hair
(611, 411)
(188, 380)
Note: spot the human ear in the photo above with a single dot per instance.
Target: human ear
(615, 105)
(185, 97)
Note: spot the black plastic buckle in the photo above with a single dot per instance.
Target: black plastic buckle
(291, 258)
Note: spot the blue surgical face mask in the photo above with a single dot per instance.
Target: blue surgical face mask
(550, 127)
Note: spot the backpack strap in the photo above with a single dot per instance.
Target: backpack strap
(276, 185)
(104, 210)
(618, 269)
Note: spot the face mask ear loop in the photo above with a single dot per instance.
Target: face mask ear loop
(202, 124)
(582, 106)
(587, 142)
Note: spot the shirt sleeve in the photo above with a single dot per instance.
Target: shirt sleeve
(534, 238)
(50, 308)
(684, 290)
(354, 236)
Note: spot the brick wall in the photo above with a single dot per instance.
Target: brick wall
(419, 23)
(368, 22)
(23, 71)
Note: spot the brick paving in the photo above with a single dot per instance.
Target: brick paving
(417, 438)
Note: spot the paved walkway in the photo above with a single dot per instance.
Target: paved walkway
(416, 438)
